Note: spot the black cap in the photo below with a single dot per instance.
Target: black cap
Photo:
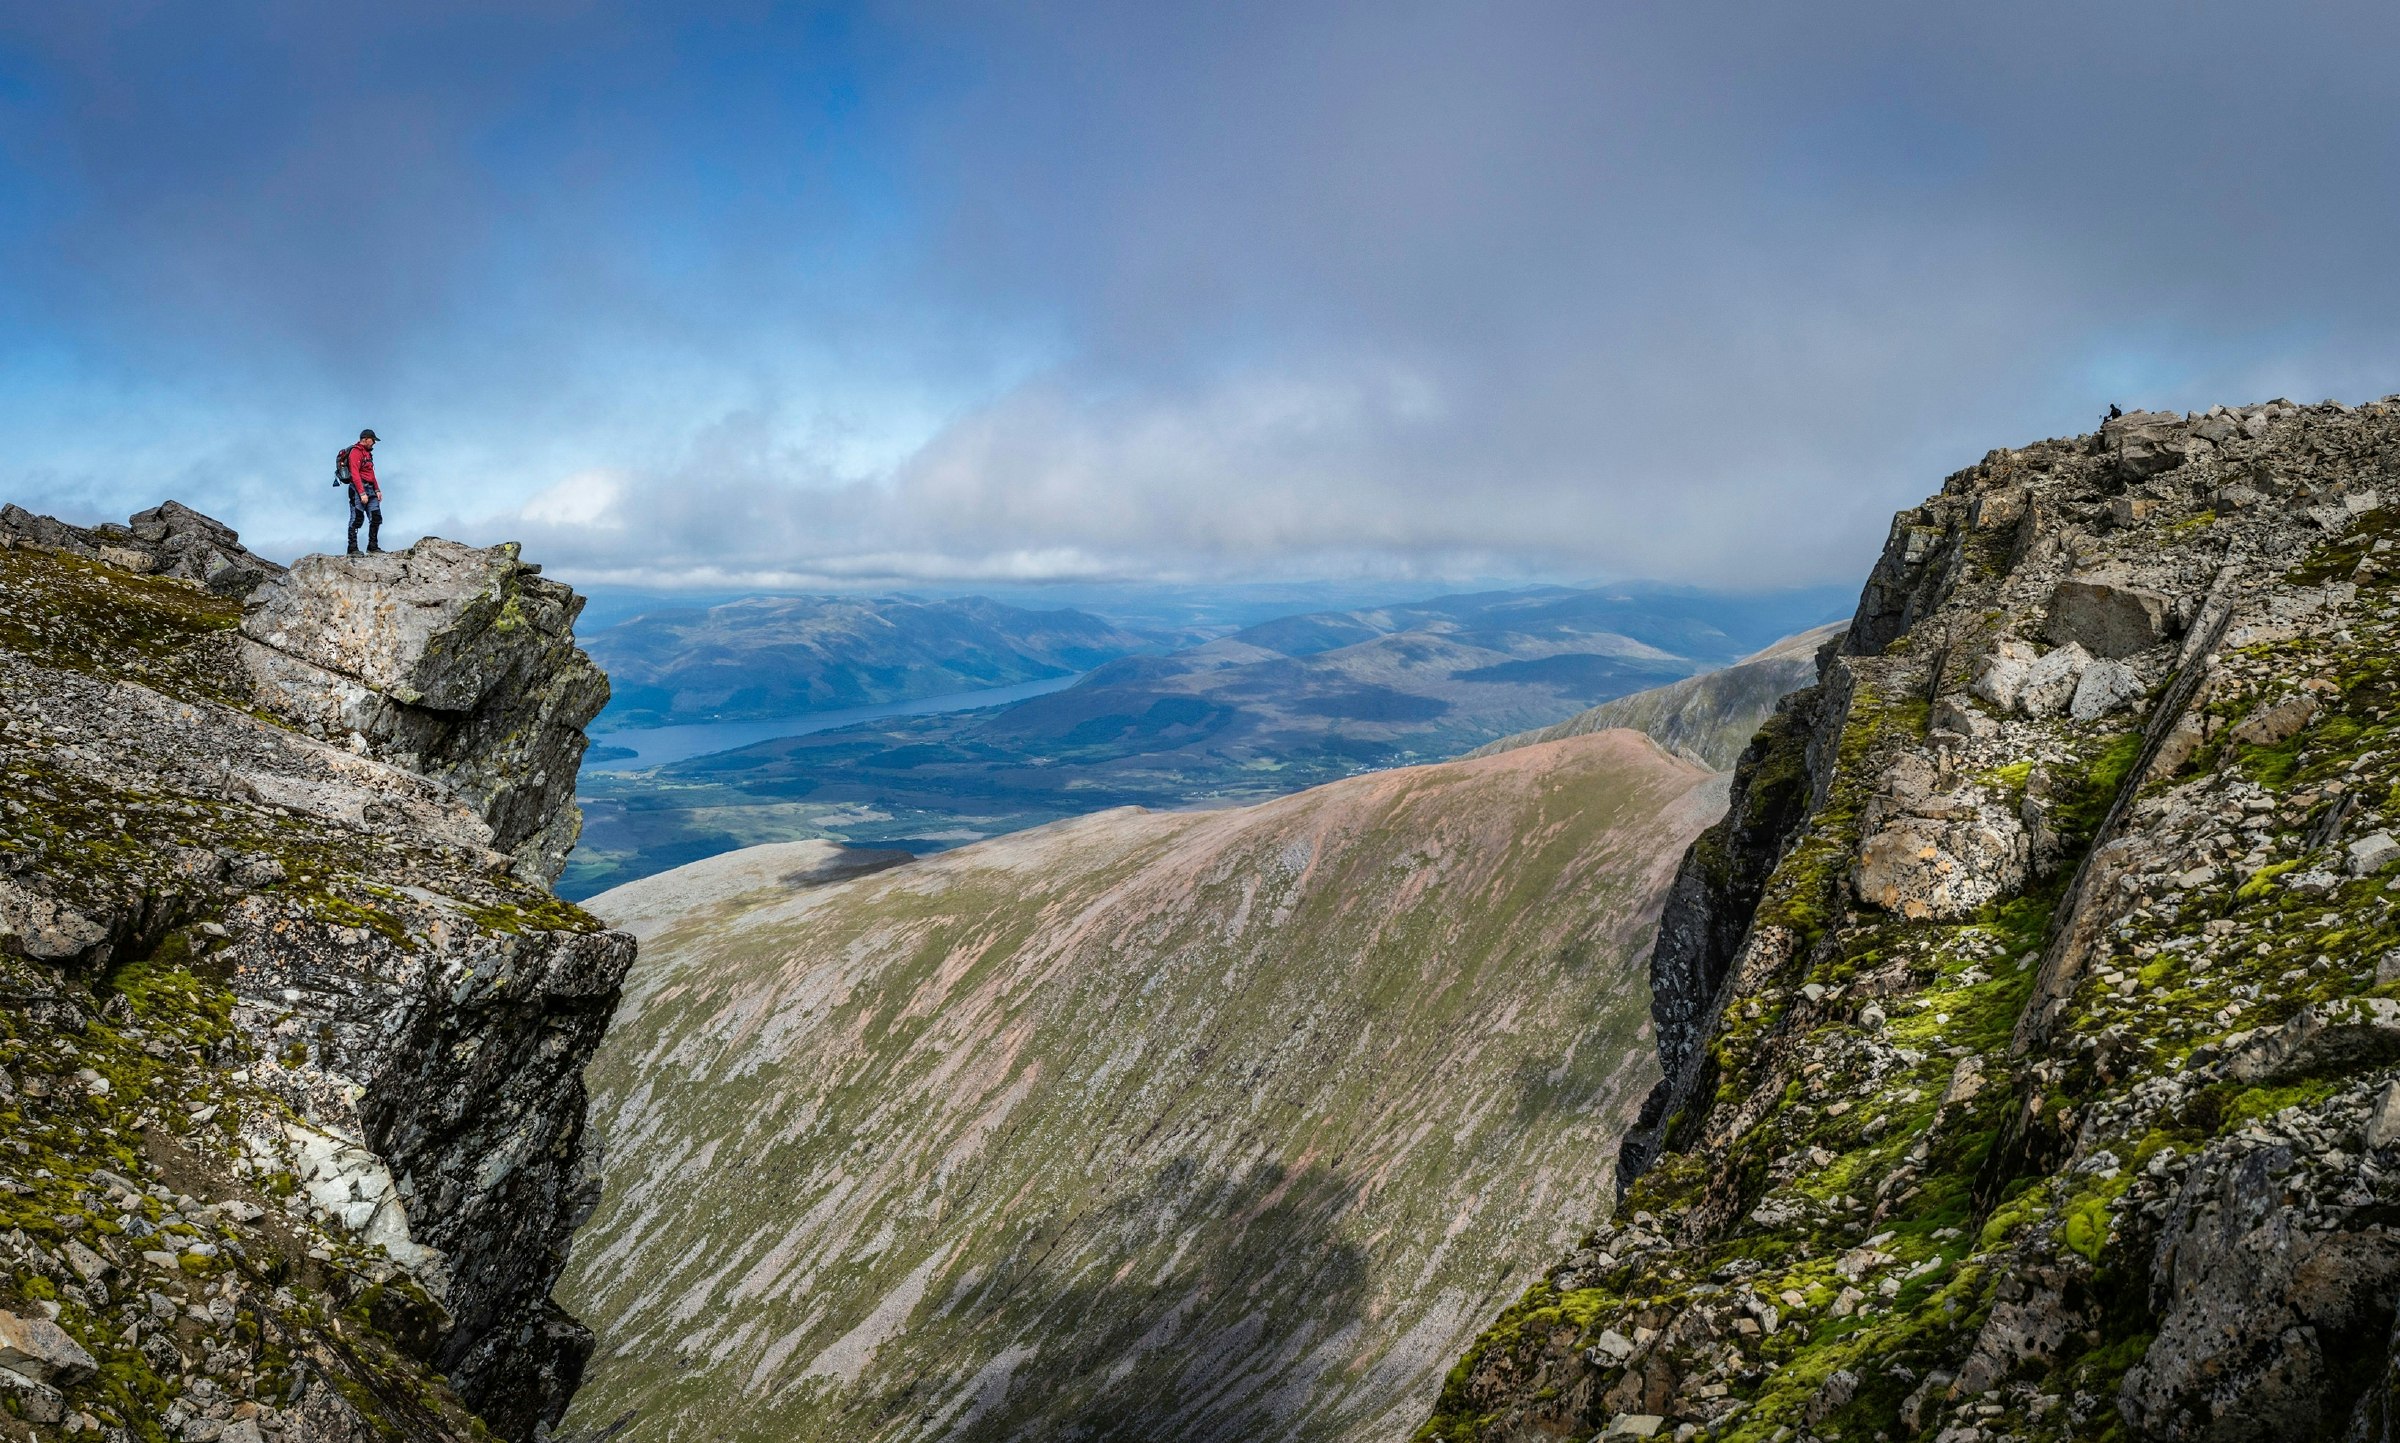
(368, 436)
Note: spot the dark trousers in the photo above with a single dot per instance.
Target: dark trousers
(369, 510)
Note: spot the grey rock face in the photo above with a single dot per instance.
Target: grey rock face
(2262, 1292)
(386, 1104)
(2119, 1154)
(1707, 916)
(2109, 616)
(446, 660)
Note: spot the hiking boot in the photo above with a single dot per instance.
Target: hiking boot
(374, 549)
(354, 551)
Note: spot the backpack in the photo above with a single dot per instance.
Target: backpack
(341, 467)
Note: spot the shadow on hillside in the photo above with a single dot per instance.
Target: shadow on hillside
(1208, 1344)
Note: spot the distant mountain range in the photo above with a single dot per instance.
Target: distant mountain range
(1707, 718)
(779, 656)
(1276, 707)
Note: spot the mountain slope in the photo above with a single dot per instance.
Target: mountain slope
(1708, 718)
(779, 656)
(1219, 1125)
(2029, 1030)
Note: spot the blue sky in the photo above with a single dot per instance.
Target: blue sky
(773, 295)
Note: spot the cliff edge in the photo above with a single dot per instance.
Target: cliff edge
(291, 1110)
(2029, 1029)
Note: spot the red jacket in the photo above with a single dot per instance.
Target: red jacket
(362, 471)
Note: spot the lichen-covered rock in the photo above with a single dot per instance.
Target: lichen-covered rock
(2104, 688)
(1927, 868)
(2110, 1145)
(293, 1115)
(40, 1350)
(447, 660)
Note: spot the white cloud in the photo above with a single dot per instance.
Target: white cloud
(587, 500)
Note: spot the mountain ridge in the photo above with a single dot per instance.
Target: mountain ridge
(2027, 1030)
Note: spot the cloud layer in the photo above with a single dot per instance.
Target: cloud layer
(808, 295)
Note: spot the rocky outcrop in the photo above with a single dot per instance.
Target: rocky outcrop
(2050, 1086)
(170, 540)
(1220, 1125)
(445, 660)
(291, 1126)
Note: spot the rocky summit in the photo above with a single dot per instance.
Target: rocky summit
(291, 1111)
(2030, 1029)
(1225, 1125)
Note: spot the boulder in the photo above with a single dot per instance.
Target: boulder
(2348, 1032)
(2132, 510)
(2051, 682)
(185, 544)
(2104, 687)
(2372, 853)
(1941, 870)
(1956, 715)
(2265, 726)
(126, 558)
(2000, 676)
(40, 1350)
(453, 661)
(2144, 443)
(2383, 1124)
(2108, 616)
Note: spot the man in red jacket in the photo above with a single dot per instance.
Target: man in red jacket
(366, 498)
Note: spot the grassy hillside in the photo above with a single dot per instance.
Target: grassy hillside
(1226, 1125)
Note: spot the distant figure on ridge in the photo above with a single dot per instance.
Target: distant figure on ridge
(354, 466)
(2113, 413)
